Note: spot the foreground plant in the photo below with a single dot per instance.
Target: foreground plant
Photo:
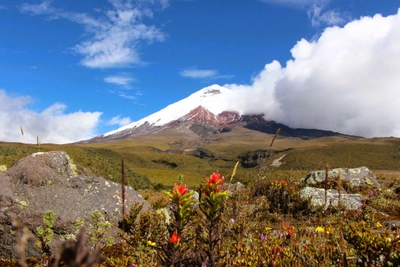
(212, 205)
(45, 232)
(171, 251)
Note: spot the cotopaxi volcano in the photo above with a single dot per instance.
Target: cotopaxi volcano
(204, 113)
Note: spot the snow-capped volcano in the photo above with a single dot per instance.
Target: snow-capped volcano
(206, 112)
(214, 99)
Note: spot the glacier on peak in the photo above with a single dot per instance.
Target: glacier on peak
(214, 98)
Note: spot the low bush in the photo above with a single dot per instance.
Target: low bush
(265, 225)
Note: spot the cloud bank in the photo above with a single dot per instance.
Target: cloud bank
(347, 81)
(52, 125)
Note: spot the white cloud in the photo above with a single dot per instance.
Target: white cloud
(315, 11)
(38, 9)
(52, 125)
(330, 17)
(113, 37)
(195, 73)
(119, 80)
(298, 3)
(347, 81)
(119, 121)
(130, 97)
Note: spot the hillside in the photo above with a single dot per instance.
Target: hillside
(161, 158)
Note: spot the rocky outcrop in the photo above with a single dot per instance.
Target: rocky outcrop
(252, 159)
(317, 198)
(202, 153)
(47, 181)
(203, 130)
(236, 187)
(356, 177)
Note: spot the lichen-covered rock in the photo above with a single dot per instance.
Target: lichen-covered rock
(46, 181)
(3, 168)
(356, 177)
(236, 187)
(317, 197)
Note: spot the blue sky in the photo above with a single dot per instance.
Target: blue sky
(70, 70)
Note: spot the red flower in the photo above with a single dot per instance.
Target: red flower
(214, 179)
(288, 228)
(182, 189)
(174, 238)
(283, 182)
(291, 187)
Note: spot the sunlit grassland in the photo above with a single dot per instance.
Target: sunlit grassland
(257, 229)
(162, 159)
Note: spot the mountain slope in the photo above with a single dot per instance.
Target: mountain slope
(213, 98)
(204, 113)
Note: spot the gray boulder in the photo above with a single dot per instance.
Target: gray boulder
(317, 197)
(236, 187)
(47, 181)
(356, 177)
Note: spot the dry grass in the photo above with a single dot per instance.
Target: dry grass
(161, 158)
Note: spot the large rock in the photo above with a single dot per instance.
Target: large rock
(47, 181)
(317, 196)
(356, 177)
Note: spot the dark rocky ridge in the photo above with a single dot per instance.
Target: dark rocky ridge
(258, 123)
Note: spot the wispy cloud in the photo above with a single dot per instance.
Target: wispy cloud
(43, 8)
(316, 11)
(3, 7)
(114, 36)
(52, 125)
(119, 121)
(297, 3)
(196, 73)
(330, 18)
(127, 94)
(122, 80)
(130, 97)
